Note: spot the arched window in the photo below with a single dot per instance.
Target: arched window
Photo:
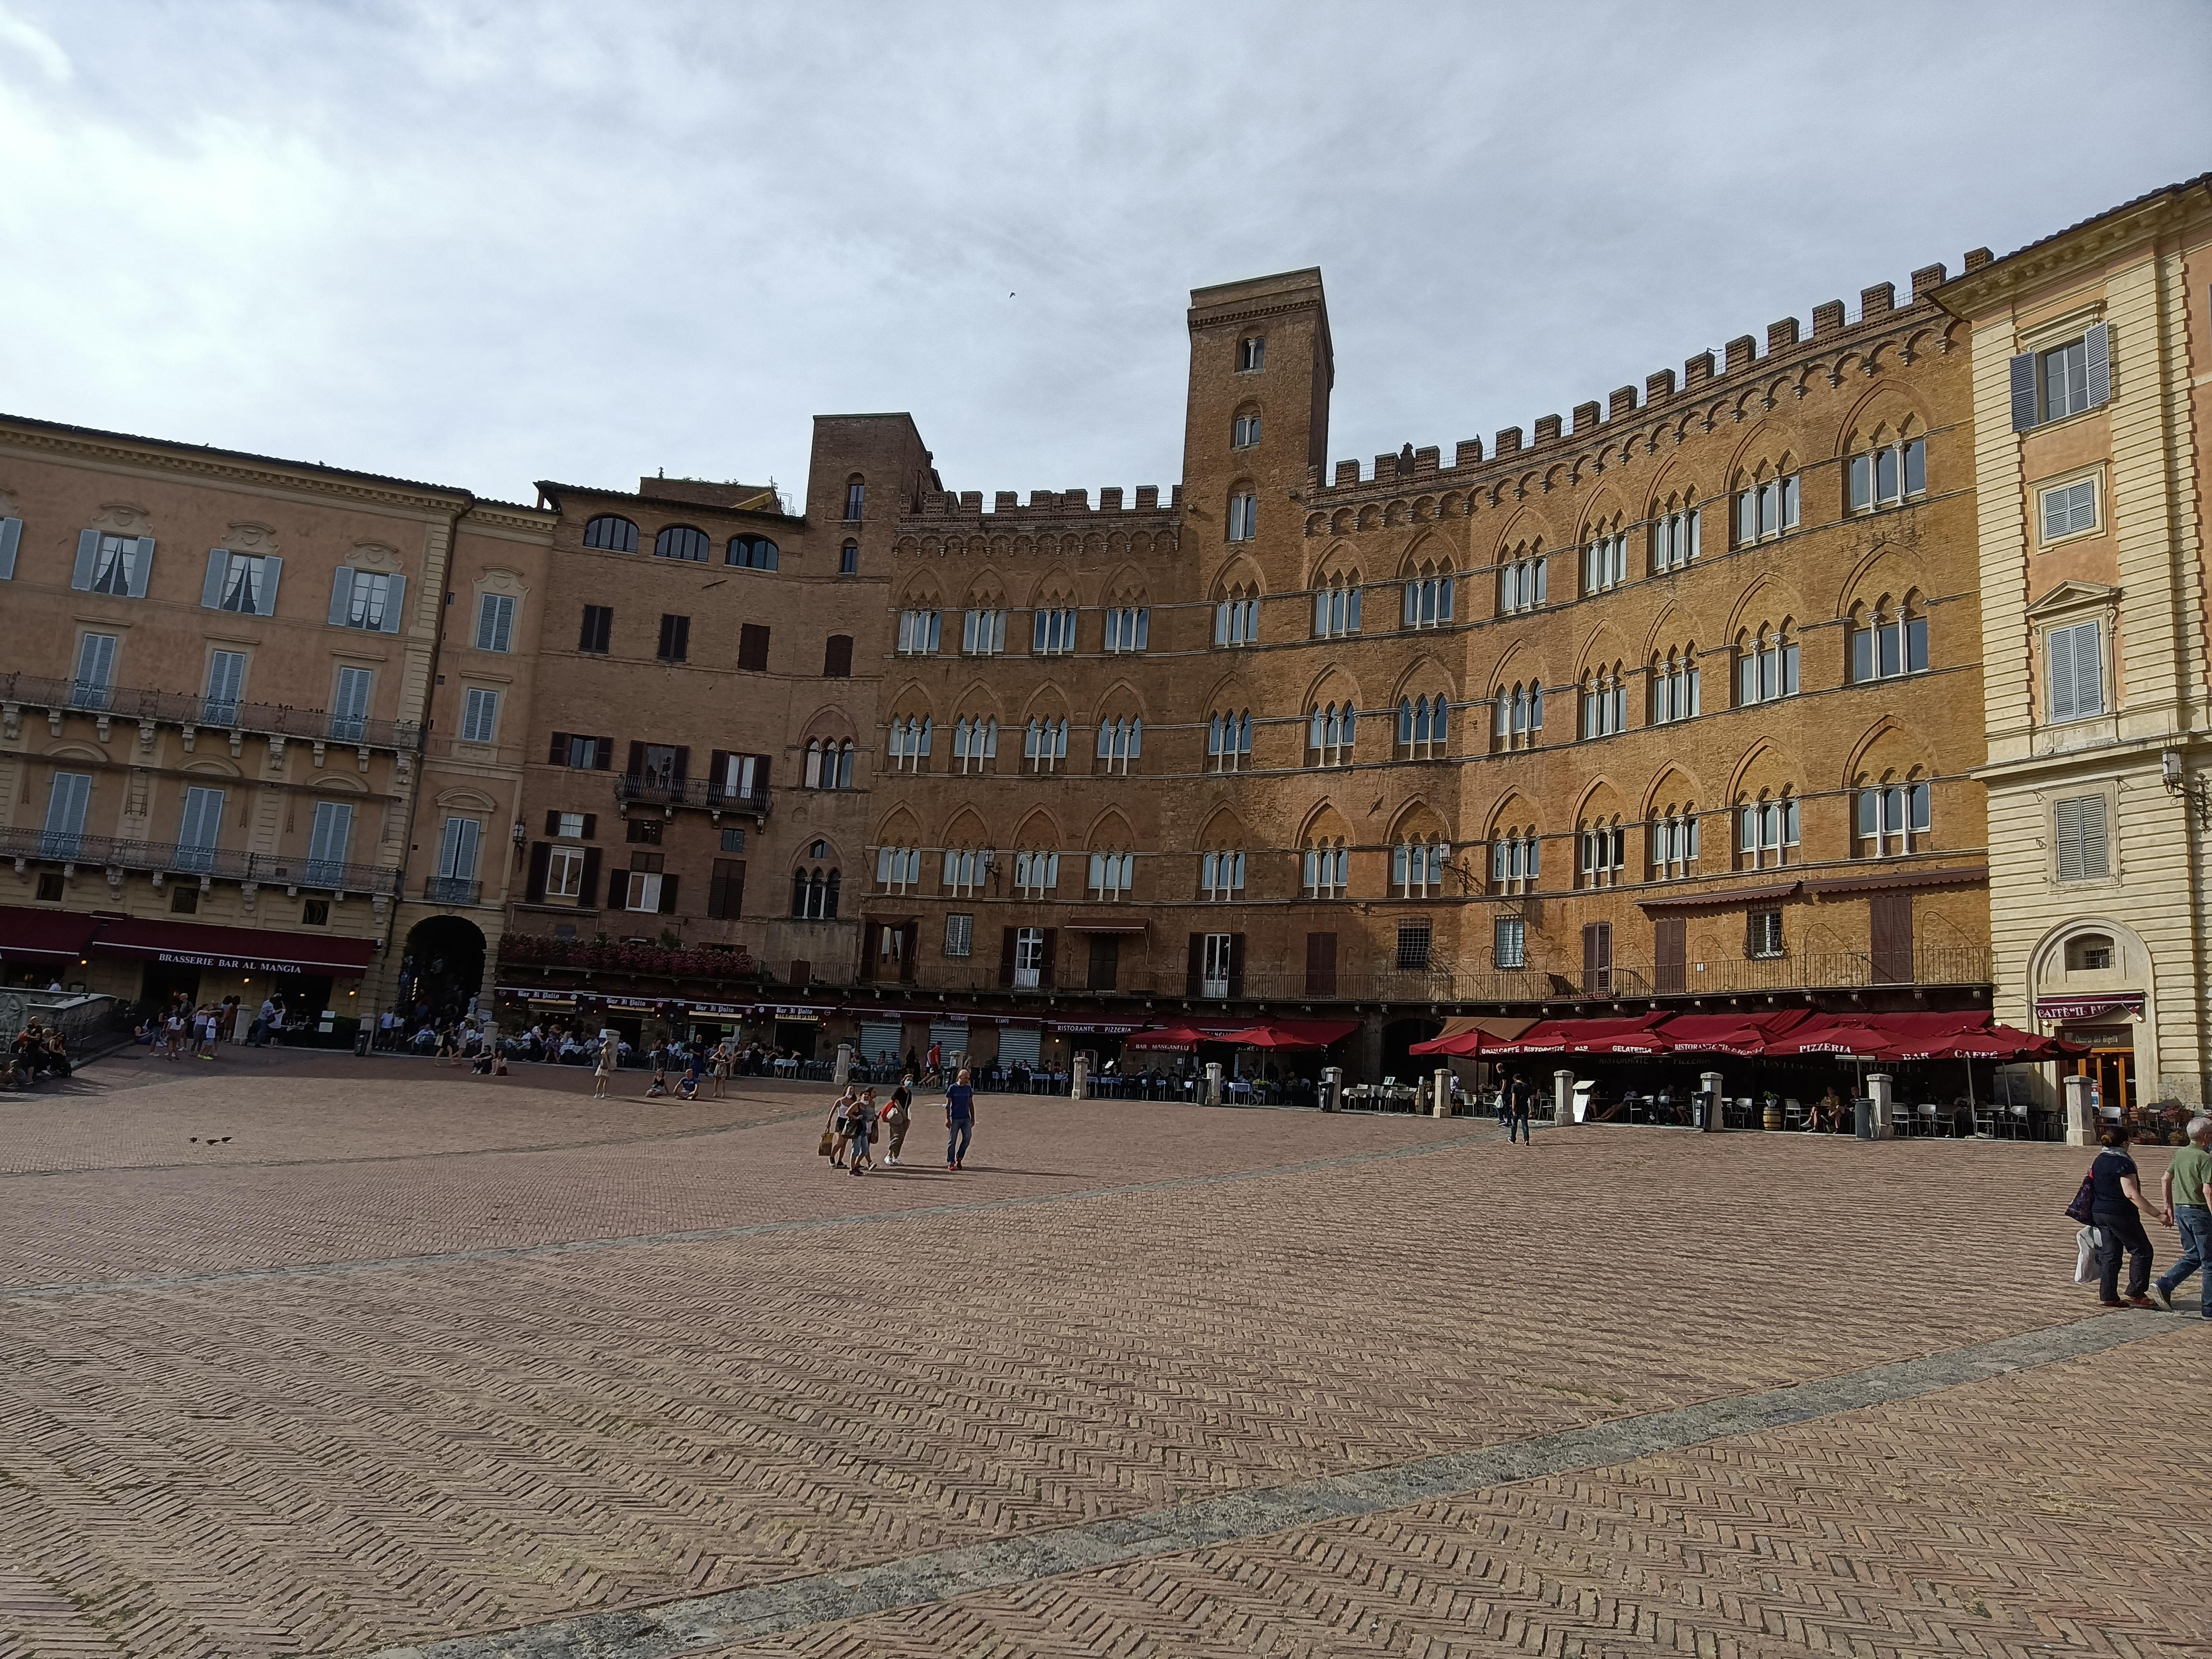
(1243, 515)
(1515, 860)
(966, 870)
(1604, 702)
(1244, 430)
(1228, 741)
(1519, 718)
(1765, 665)
(1523, 580)
(1417, 867)
(1327, 869)
(1044, 744)
(898, 869)
(1890, 640)
(1604, 852)
(1424, 729)
(912, 736)
(1336, 607)
(1894, 815)
(829, 763)
(1676, 692)
(1120, 742)
(1766, 505)
(814, 888)
(681, 541)
(1893, 472)
(974, 742)
(1252, 354)
(1036, 874)
(1331, 729)
(1428, 597)
(2090, 953)
(750, 553)
(1236, 619)
(1766, 830)
(1673, 839)
(611, 532)
(1112, 875)
(1605, 560)
(1221, 876)
(1675, 533)
(849, 559)
(856, 497)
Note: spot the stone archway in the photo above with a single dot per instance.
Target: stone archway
(443, 966)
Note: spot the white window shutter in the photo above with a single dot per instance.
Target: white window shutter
(2059, 655)
(2097, 346)
(142, 568)
(2096, 861)
(395, 604)
(88, 559)
(341, 595)
(2088, 670)
(11, 537)
(2023, 392)
(218, 568)
(271, 568)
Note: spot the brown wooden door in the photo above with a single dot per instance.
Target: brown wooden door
(1105, 962)
(1670, 954)
(1889, 917)
(1598, 959)
(1320, 964)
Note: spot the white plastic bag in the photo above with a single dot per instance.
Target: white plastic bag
(2085, 1261)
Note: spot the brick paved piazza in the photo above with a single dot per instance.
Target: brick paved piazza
(411, 1357)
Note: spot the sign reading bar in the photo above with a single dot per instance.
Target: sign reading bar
(251, 964)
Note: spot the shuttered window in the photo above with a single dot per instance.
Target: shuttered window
(2079, 829)
(2063, 379)
(2074, 683)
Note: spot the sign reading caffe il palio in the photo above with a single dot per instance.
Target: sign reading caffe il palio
(2118, 1002)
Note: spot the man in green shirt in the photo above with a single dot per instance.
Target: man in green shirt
(2190, 1212)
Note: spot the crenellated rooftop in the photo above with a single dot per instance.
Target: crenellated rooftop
(1053, 506)
(1740, 363)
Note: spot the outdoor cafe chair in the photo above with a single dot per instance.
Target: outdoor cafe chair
(1792, 1114)
(1931, 1120)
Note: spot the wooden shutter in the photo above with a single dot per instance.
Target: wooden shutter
(218, 568)
(591, 824)
(1598, 959)
(2088, 668)
(1051, 950)
(1236, 965)
(683, 766)
(871, 934)
(752, 646)
(1889, 917)
(2023, 392)
(2097, 348)
(909, 948)
(12, 537)
(1194, 976)
(589, 896)
(395, 604)
(837, 657)
(668, 895)
(636, 766)
(1320, 964)
(552, 820)
(603, 756)
(1006, 954)
(272, 572)
(341, 590)
(760, 776)
(1670, 953)
(539, 853)
(557, 753)
(718, 770)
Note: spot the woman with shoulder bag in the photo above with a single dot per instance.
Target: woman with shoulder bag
(898, 1117)
(2117, 1206)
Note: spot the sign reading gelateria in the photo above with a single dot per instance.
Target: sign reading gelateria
(2094, 1007)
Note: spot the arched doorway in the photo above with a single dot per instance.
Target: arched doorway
(443, 966)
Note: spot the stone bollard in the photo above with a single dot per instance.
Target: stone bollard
(1213, 1083)
(1078, 1078)
(1443, 1106)
(1331, 1088)
(843, 1072)
(1882, 1089)
(2082, 1124)
(1562, 1096)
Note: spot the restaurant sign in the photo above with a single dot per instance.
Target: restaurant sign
(252, 964)
(2080, 1008)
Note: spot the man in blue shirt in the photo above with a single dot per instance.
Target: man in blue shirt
(959, 1120)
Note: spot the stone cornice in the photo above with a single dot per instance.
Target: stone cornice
(121, 453)
(2079, 249)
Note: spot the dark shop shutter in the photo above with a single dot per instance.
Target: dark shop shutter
(1670, 953)
(2023, 392)
(1195, 976)
(1320, 964)
(539, 853)
(589, 898)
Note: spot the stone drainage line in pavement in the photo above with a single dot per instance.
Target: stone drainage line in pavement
(739, 1615)
(716, 1235)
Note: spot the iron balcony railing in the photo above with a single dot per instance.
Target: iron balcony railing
(124, 702)
(179, 859)
(451, 889)
(630, 787)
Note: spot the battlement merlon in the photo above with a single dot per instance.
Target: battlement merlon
(1701, 375)
(1046, 509)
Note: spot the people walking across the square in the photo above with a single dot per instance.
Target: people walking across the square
(860, 1128)
(2116, 1208)
(840, 1123)
(1519, 1100)
(959, 1120)
(2190, 1211)
(898, 1118)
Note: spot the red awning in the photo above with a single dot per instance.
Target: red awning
(43, 935)
(1629, 1035)
(1470, 1037)
(1293, 1034)
(1177, 1034)
(251, 949)
(1729, 1033)
(1877, 1036)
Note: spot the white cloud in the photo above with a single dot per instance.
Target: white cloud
(493, 244)
(35, 44)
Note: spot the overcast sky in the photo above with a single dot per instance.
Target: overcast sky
(490, 243)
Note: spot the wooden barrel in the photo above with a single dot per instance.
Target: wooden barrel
(1773, 1119)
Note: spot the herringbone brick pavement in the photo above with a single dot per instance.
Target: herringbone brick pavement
(2014, 1518)
(342, 1460)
